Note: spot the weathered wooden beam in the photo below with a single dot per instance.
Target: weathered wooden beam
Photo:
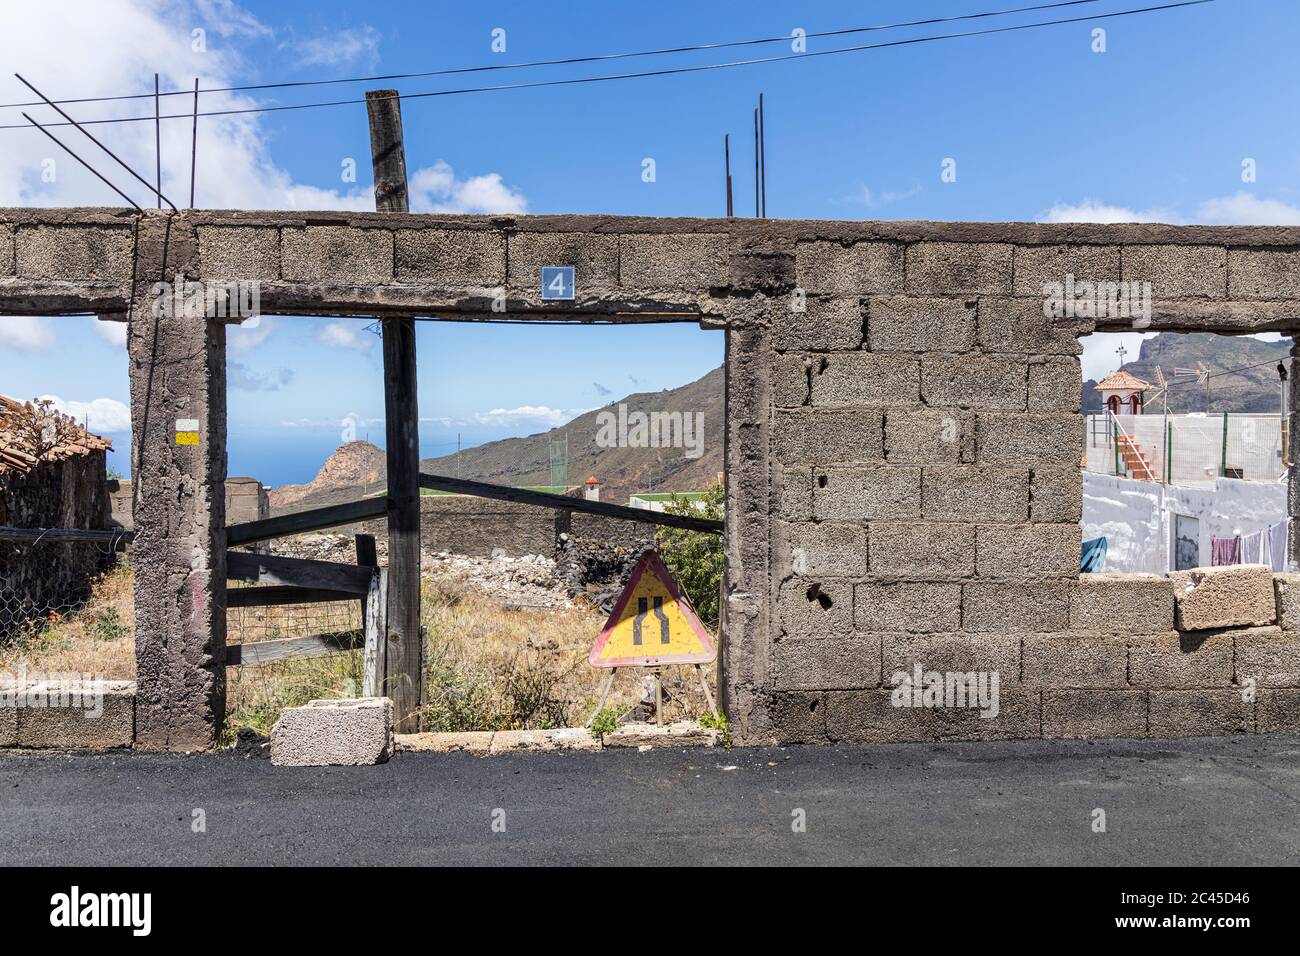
(314, 519)
(278, 594)
(263, 652)
(66, 535)
(299, 573)
(483, 489)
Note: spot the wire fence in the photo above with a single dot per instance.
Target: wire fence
(50, 585)
(1187, 449)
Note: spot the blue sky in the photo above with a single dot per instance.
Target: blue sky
(1041, 128)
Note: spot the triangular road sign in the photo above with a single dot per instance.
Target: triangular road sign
(652, 623)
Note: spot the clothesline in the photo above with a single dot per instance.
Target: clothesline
(1265, 546)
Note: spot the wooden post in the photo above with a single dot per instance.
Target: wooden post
(404, 650)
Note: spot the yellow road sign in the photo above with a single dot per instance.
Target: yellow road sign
(652, 623)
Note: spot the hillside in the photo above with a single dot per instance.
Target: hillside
(353, 470)
(1249, 390)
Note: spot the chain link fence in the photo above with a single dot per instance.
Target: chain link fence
(48, 587)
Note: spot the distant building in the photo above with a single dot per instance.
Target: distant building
(1122, 393)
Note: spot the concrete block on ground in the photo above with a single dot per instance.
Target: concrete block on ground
(1200, 713)
(1269, 656)
(1074, 660)
(1016, 714)
(1278, 711)
(911, 606)
(1122, 604)
(1094, 713)
(322, 733)
(512, 741)
(470, 741)
(8, 718)
(870, 716)
(797, 718)
(682, 733)
(957, 653)
(91, 716)
(1232, 596)
(1181, 660)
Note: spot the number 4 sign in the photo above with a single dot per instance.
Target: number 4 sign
(557, 283)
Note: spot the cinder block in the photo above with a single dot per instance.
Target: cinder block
(898, 324)
(973, 381)
(1056, 495)
(1027, 550)
(924, 436)
(1263, 274)
(825, 548)
(922, 549)
(1019, 326)
(339, 255)
(1278, 711)
(867, 493)
(1036, 266)
(1122, 604)
(790, 375)
(1199, 713)
(1231, 596)
(824, 324)
(1054, 384)
(684, 262)
(906, 606)
(514, 741)
(1267, 655)
(954, 268)
(6, 251)
(8, 717)
(91, 716)
(796, 494)
(1286, 586)
(865, 378)
(871, 716)
(797, 718)
(863, 268)
(810, 609)
(1017, 715)
(1177, 272)
(975, 493)
(958, 653)
(1180, 660)
(1003, 438)
(455, 258)
(1094, 713)
(1036, 606)
(73, 252)
(594, 258)
(229, 253)
(843, 663)
(323, 733)
(1074, 660)
(825, 436)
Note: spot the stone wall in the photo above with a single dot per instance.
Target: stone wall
(246, 500)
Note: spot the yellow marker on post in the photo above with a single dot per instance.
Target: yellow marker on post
(187, 431)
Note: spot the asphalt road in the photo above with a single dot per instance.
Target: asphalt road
(1193, 802)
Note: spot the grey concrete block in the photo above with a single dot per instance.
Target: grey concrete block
(681, 733)
(1122, 604)
(825, 436)
(924, 436)
(1054, 384)
(1003, 438)
(1286, 586)
(594, 258)
(865, 378)
(1231, 596)
(954, 268)
(1018, 326)
(1027, 607)
(229, 253)
(923, 549)
(870, 716)
(1177, 272)
(515, 741)
(337, 255)
(1094, 713)
(956, 653)
(790, 375)
(1074, 660)
(847, 663)
(6, 251)
(353, 732)
(825, 548)
(72, 252)
(863, 268)
(1180, 660)
(797, 718)
(811, 608)
(975, 493)
(824, 324)
(898, 324)
(1056, 495)
(457, 259)
(1036, 266)
(1027, 550)
(1268, 656)
(8, 717)
(917, 606)
(673, 261)
(796, 494)
(94, 715)
(867, 493)
(1263, 274)
(1278, 711)
(1018, 716)
(973, 381)
(1199, 713)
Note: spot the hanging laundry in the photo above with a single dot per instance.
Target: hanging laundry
(1252, 548)
(1093, 556)
(1225, 551)
(1277, 544)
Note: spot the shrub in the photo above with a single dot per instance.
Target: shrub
(695, 558)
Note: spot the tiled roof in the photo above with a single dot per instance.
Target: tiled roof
(1122, 380)
(19, 447)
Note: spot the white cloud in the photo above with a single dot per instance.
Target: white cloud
(345, 46)
(1246, 209)
(436, 189)
(249, 335)
(542, 415)
(240, 376)
(29, 333)
(346, 335)
(114, 333)
(229, 19)
(99, 415)
(873, 200)
(1091, 210)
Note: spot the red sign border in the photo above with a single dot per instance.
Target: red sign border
(650, 560)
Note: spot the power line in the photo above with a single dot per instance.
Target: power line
(651, 73)
(569, 61)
